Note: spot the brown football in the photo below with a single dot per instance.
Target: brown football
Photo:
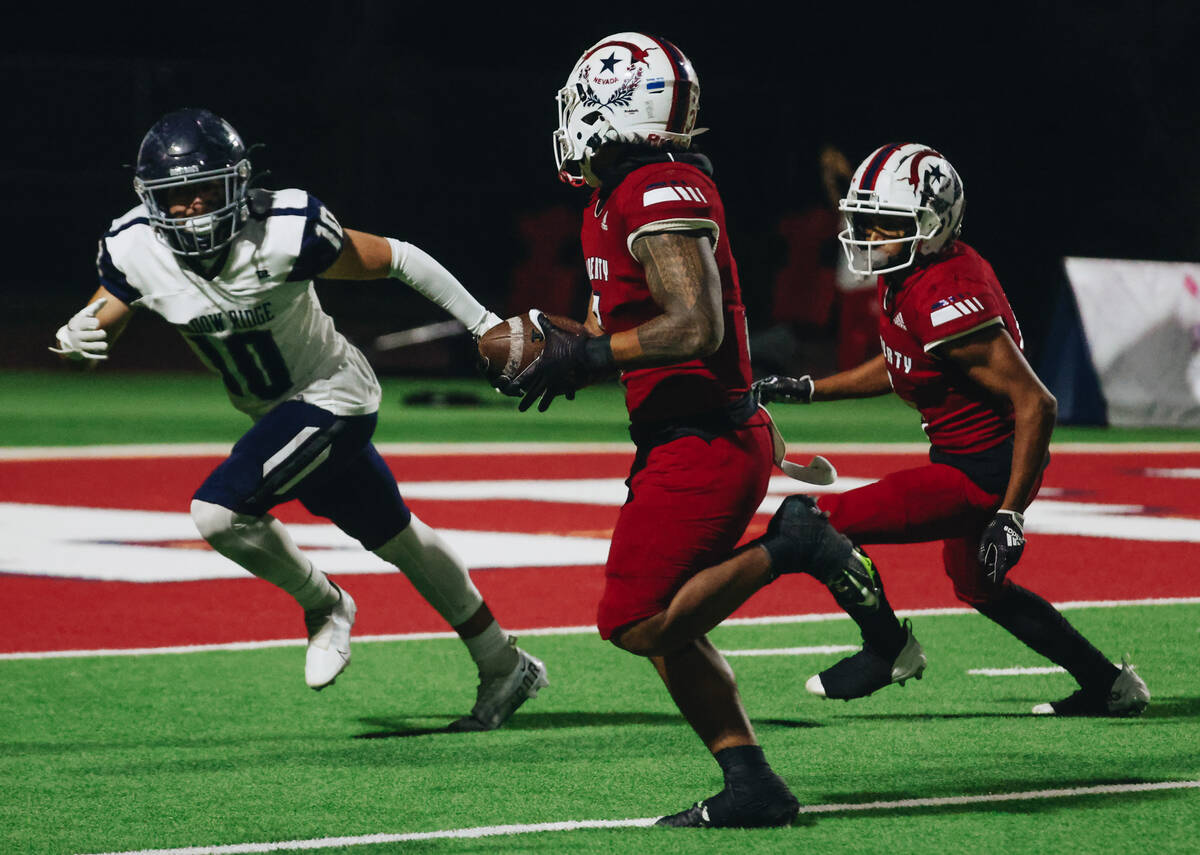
(511, 346)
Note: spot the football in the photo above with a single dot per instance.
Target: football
(511, 346)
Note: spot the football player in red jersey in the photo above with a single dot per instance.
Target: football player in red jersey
(951, 348)
(667, 314)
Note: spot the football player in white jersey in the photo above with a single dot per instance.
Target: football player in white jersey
(232, 268)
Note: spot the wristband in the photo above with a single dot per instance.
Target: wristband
(598, 355)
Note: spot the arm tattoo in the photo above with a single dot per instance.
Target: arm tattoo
(682, 275)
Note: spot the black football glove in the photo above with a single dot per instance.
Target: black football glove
(776, 388)
(1002, 543)
(569, 361)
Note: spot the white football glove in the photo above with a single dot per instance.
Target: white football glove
(81, 337)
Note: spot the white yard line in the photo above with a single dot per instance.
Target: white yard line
(577, 825)
(1016, 672)
(573, 630)
(793, 651)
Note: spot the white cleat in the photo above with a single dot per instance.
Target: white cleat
(498, 697)
(1127, 696)
(328, 641)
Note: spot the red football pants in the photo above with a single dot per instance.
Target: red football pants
(689, 503)
(932, 502)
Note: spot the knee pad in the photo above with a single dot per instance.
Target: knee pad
(260, 545)
(240, 537)
(214, 522)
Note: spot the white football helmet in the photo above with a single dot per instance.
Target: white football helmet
(628, 87)
(912, 185)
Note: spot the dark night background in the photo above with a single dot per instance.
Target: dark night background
(1074, 127)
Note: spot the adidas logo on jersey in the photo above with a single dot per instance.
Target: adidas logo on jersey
(671, 192)
(899, 321)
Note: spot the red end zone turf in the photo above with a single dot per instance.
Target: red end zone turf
(46, 614)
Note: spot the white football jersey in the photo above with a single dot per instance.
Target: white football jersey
(257, 323)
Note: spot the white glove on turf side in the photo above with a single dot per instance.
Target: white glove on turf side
(81, 337)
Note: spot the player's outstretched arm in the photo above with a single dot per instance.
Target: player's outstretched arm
(992, 359)
(368, 256)
(867, 380)
(88, 333)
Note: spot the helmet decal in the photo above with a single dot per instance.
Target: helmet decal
(871, 175)
(619, 97)
(636, 54)
(913, 172)
(627, 88)
(905, 200)
(681, 95)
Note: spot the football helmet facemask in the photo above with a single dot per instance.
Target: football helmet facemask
(192, 147)
(628, 87)
(907, 187)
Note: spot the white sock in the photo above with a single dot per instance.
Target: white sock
(437, 573)
(492, 650)
(263, 546)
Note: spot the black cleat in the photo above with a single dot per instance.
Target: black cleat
(694, 817)
(768, 807)
(868, 671)
(1127, 696)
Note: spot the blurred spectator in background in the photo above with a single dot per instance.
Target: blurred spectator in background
(822, 312)
(551, 275)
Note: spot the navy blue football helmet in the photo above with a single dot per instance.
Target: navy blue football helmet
(193, 146)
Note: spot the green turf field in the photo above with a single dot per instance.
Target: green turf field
(71, 407)
(210, 749)
(124, 753)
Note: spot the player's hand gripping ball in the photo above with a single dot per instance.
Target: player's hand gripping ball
(511, 346)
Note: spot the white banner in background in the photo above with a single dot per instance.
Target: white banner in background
(1142, 322)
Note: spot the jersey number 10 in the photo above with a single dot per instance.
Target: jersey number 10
(249, 363)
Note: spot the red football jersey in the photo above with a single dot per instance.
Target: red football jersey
(953, 296)
(668, 196)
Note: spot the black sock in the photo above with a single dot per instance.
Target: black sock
(741, 761)
(1041, 627)
(753, 793)
(881, 629)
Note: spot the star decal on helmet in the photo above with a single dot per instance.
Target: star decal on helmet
(620, 97)
(609, 64)
(636, 54)
(914, 173)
